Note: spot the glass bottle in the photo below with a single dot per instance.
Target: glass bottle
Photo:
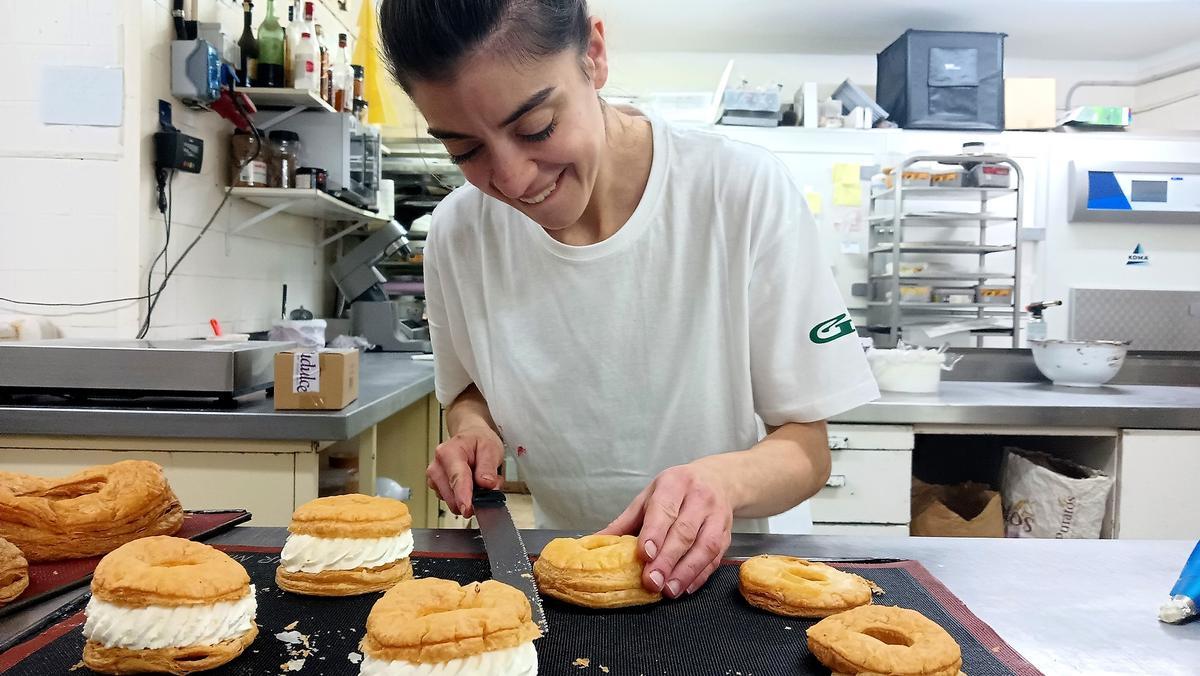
(248, 47)
(270, 50)
(343, 78)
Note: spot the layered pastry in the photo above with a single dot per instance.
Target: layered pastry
(595, 571)
(786, 585)
(88, 513)
(14, 572)
(431, 626)
(346, 544)
(167, 605)
(884, 640)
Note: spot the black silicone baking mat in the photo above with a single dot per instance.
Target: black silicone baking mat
(710, 633)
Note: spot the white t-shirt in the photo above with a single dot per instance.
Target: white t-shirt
(605, 364)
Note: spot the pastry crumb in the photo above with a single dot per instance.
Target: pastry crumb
(603, 668)
(292, 665)
(582, 662)
(876, 590)
(787, 627)
(354, 658)
(291, 637)
(77, 665)
(292, 625)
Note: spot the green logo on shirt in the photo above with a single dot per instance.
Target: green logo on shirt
(831, 329)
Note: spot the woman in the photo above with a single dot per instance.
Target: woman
(614, 299)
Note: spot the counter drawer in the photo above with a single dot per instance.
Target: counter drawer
(871, 437)
(866, 487)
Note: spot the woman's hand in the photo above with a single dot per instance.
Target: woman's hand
(683, 521)
(469, 458)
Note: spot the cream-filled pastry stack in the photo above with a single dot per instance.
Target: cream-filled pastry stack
(346, 544)
(167, 605)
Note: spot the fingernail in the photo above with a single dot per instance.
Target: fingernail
(673, 588)
(488, 478)
(462, 508)
(651, 551)
(691, 590)
(657, 578)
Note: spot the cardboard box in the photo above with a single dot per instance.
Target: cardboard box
(315, 380)
(1029, 103)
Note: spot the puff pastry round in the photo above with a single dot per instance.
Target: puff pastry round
(794, 587)
(345, 545)
(14, 572)
(434, 621)
(167, 605)
(88, 513)
(595, 571)
(884, 640)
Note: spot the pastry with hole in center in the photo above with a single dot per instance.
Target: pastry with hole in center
(14, 572)
(884, 640)
(786, 585)
(344, 545)
(594, 571)
(88, 513)
(167, 605)
(432, 626)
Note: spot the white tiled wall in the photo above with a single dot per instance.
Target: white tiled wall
(78, 220)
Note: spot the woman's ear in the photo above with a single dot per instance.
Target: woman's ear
(595, 60)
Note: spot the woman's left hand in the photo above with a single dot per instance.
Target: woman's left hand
(683, 521)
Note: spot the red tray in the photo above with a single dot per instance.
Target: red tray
(48, 578)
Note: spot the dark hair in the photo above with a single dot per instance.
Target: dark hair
(428, 39)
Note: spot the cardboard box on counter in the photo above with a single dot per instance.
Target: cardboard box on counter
(315, 380)
(1029, 103)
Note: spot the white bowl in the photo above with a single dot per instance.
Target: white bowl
(1079, 363)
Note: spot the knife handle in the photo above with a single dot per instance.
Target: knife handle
(486, 496)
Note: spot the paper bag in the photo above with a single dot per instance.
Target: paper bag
(1051, 497)
(961, 510)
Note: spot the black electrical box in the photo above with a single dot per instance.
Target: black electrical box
(943, 80)
(177, 150)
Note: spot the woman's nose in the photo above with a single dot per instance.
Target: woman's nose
(513, 174)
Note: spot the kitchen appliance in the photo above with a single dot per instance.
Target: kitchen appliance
(131, 368)
(383, 322)
(1079, 363)
(506, 552)
(348, 151)
(1135, 192)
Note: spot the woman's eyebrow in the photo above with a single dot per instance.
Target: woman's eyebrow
(530, 103)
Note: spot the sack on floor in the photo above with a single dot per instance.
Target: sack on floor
(1051, 497)
(969, 509)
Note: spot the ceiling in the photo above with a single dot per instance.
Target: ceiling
(1102, 30)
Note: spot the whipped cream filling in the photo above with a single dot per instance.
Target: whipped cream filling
(153, 627)
(309, 554)
(518, 661)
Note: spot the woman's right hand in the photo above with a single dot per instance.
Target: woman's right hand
(469, 458)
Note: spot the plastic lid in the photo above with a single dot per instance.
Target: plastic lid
(284, 135)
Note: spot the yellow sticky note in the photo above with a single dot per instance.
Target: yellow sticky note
(847, 194)
(814, 202)
(844, 173)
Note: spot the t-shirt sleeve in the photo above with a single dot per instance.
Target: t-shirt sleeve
(450, 377)
(806, 361)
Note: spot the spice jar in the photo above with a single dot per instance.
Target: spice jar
(247, 161)
(285, 159)
(311, 178)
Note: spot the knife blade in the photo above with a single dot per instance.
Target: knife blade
(506, 552)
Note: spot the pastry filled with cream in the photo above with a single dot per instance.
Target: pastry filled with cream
(346, 544)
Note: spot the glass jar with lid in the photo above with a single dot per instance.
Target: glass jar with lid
(285, 158)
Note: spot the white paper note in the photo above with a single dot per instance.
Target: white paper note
(306, 372)
(82, 95)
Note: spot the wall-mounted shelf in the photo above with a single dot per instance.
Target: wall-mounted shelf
(307, 202)
(285, 100)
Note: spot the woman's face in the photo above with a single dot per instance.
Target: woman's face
(530, 134)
